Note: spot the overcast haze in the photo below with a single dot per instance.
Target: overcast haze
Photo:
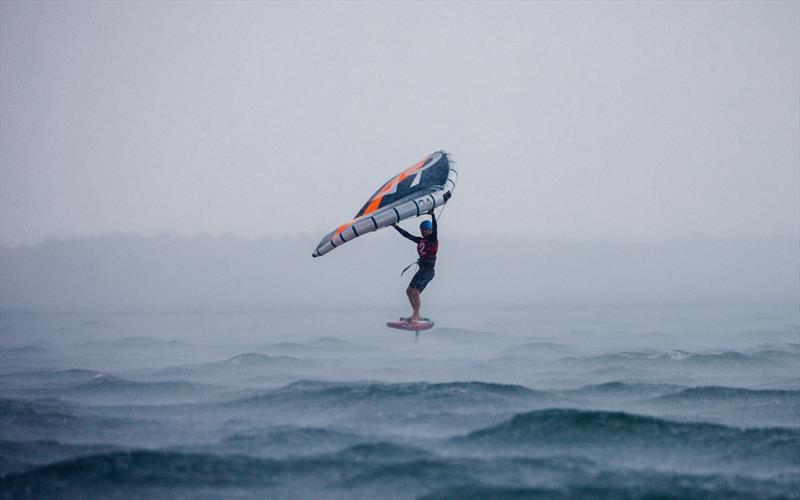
(616, 285)
(576, 120)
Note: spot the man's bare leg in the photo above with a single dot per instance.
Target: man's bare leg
(413, 298)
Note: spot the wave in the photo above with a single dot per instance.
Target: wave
(256, 359)
(111, 390)
(289, 435)
(431, 471)
(19, 411)
(296, 348)
(324, 345)
(63, 421)
(137, 473)
(416, 387)
(139, 468)
(674, 356)
(236, 368)
(93, 387)
(724, 358)
(778, 355)
(362, 471)
(243, 362)
(535, 352)
(561, 425)
(716, 393)
(617, 434)
(732, 405)
(133, 342)
(627, 389)
(677, 393)
(49, 377)
(285, 441)
(29, 350)
(20, 419)
(384, 452)
(785, 347)
(18, 456)
(117, 473)
(483, 491)
(409, 475)
(782, 384)
(433, 395)
(626, 484)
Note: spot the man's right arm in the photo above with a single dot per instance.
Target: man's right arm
(406, 234)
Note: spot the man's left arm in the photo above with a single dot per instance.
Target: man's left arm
(435, 229)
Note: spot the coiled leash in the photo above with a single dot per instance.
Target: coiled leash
(416, 262)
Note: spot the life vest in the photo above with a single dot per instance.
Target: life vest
(427, 250)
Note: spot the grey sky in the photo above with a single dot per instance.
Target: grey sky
(567, 119)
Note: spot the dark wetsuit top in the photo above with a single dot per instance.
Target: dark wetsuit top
(427, 247)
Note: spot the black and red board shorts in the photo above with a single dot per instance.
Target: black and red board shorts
(422, 277)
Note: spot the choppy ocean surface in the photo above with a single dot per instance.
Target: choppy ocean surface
(559, 402)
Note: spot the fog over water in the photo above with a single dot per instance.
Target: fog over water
(122, 272)
(617, 291)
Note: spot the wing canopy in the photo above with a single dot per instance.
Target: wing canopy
(414, 191)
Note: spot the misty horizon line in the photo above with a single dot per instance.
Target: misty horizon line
(308, 235)
(330, 308)
(124, 271)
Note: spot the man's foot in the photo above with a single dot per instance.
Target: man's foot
(415, 319)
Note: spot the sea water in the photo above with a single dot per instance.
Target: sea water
(558, 401)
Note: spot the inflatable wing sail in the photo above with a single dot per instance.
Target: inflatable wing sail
(416, 190)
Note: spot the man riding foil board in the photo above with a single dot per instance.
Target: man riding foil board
(427, 248)
(415, 191)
